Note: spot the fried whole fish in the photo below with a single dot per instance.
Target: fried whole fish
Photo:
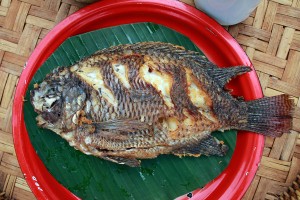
(138, 101)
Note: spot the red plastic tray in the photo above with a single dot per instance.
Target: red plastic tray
(208, 35)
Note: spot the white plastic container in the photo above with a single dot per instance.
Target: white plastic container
(227, 12)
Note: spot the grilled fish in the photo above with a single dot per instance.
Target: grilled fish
(137, 101)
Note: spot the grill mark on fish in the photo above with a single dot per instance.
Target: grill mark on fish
(189, 120)
(219, 98)
(127, 109)
(143, 94)
(141, 91)
(70, 104)
(96, 106)
(205, 90)
(180, 87)
(92, 75)
(200, 96)
(132, 110)
(160, 80)
(121, 71)
(196, 93)
(112, 81)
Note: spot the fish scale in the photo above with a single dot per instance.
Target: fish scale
(126, 109)
(108, 75)
(113, 83)
(138, 101)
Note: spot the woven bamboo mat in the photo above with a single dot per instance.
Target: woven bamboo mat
(270, 37)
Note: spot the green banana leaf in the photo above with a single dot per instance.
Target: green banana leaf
(88, 177)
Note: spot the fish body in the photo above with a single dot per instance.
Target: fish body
(138, 101)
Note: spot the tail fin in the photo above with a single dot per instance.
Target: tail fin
(270, 116)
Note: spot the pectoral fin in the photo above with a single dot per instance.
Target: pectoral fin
(207, 146)
(128, 125)
(131, 162)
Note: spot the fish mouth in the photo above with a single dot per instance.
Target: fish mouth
(36, 100)
(41, 121)
(46, 102)
(41, 97)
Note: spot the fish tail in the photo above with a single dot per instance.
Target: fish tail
(270, 116)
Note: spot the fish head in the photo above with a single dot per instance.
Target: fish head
(57, 99)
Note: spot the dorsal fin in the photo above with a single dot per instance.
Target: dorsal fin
(150, 47)
(224, 75)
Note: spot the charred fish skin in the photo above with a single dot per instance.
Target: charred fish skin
(138, 101)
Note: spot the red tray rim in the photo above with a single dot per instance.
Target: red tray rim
(235, 179)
